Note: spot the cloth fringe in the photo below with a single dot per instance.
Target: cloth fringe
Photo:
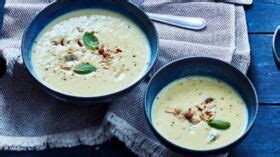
(86, 136)
(11, 55)
(133, 139)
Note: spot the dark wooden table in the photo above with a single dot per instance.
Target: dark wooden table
(264, 140)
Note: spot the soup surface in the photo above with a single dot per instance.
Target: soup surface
(199, 113)
(90, 52)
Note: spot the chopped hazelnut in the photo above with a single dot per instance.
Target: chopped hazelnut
(209, 113)
(105, 55)
(118, 50)
(202, 117)
(62, 42)
(188, 115)
(101, 50)
(70, 57)
(66, 68)
(178, 110)
(54, 42)
(79, 42)
(208, 100)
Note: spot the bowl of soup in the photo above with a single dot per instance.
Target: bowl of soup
(200, 105)
(89, 51)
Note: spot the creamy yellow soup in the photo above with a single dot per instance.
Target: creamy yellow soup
(90, 52)
(185, 110)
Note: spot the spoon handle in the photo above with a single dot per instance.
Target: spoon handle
(179, 21)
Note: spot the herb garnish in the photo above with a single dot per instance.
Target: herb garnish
(219, 124)
(84, 68)
(90, 41)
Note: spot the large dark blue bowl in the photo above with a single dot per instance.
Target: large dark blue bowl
(61, 7)
(202, 67)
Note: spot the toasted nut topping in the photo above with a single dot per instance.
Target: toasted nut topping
(178, 110)
(188, 115)
(79, 42)
(209, 100)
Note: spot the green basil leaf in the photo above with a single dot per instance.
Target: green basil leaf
(90, 41)
(84, 68)
(219, 124)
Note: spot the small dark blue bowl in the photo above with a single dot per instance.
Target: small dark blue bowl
(59, 8)
(201, 66)
(276, 47)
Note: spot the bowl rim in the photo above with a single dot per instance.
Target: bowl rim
(139, 79)
(275, 35)
(185, 149)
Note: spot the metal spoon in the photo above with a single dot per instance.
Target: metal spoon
(180, 21)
